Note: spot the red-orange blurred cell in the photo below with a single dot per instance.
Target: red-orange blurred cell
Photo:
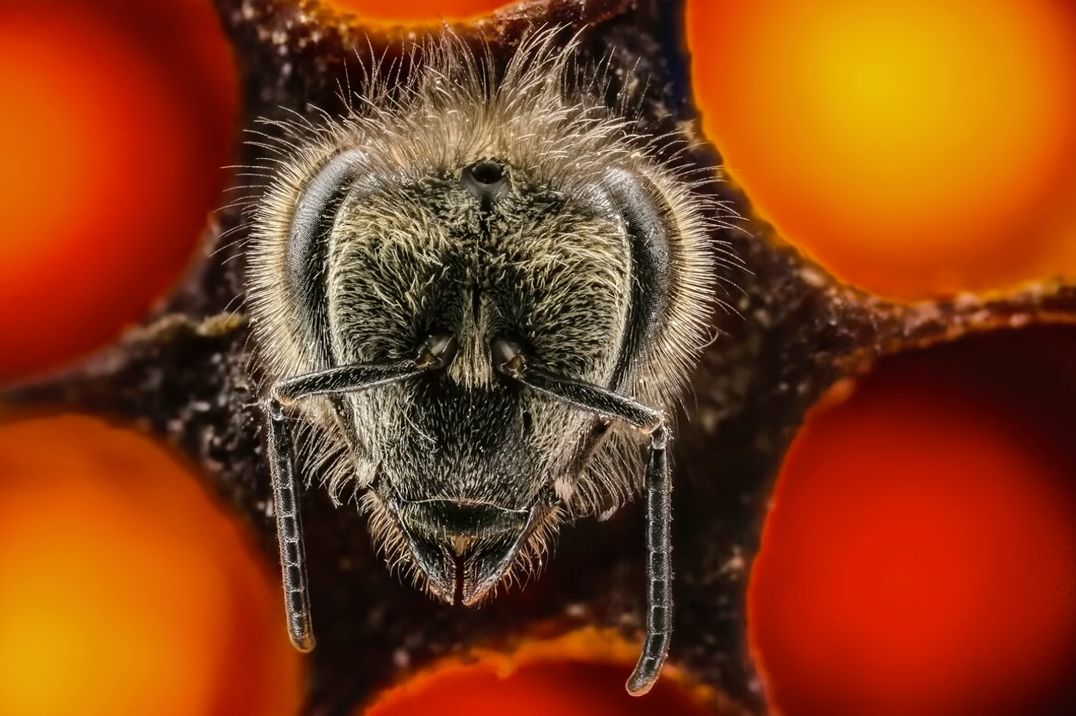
(125, 591)
(117, 119)
(920, 553)
(581, 674)
(419, 11)
(913, 147)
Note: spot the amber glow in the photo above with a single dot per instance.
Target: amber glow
(419, 11)
(915, 148)
(117, 119)
(580, 674)
(920, 554)
(125, 591)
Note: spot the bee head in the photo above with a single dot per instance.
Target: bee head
(534, 233)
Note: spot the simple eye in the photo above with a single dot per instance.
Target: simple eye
(486, 180)
(437, 351)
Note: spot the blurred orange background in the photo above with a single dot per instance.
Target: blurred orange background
(125, 589)
(920, 553)
(915, 149)
(118, 117)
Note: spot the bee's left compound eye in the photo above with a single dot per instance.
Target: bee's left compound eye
(437, 351)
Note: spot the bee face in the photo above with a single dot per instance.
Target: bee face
(412, 260)
(462, 462)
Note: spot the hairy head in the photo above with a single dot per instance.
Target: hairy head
(474, 209)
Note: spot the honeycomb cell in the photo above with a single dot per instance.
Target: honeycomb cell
(920, 553)
(118, 117)
(579, 674)
(125, 590)
(914, 148)
(419, 11)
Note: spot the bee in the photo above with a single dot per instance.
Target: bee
(476, 298)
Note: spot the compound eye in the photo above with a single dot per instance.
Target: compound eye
(508, 357)
(437, 351)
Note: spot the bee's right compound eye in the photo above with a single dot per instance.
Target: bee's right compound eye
(508, 357)
(437, 351)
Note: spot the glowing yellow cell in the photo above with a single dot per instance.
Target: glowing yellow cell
(912, 147)
(125, 590)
